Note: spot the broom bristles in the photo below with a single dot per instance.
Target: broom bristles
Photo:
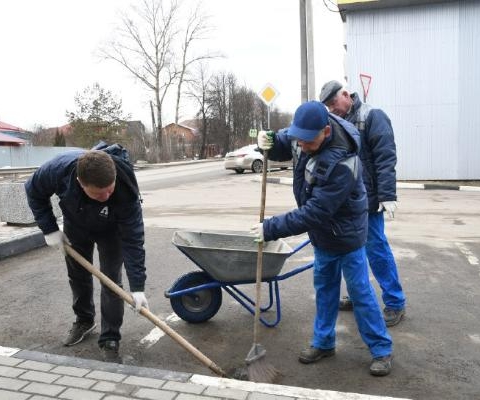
(258, 369)
(262, 371)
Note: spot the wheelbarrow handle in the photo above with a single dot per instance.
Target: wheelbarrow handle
(105, 280)
(300, 247)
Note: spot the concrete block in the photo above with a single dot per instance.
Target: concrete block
(10, 372)
(225, 393)
(80, 394)
(154, 394)
(11, 383)
(38, 376)
(184, 387)
(76, 382)
(106, 376)
(14, 207)
(43, 389)
(147, 382)
(5, 394)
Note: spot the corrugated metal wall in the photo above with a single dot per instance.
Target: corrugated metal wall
(29, 156)
(425, 75)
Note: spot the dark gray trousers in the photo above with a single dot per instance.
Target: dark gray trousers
(81, 281)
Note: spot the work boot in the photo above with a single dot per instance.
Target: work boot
(78, 332)
(381, 366)
(109, 350)
(393, 317)
(311, 354)
(345, 304)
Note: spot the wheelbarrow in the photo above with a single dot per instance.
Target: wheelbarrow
(228, 260)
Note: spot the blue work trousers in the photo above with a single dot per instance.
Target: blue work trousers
(327, 274)
(382, 263)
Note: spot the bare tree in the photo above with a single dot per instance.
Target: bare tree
(199, 92)
(143, 45)
(221, 90)
(197, 28)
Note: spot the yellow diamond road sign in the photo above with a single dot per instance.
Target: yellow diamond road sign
(268, 94)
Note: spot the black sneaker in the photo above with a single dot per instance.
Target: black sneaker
(381, 366)
(393, 317)
(311, 354)
(109, 351)
(345, 304)
(78, 332)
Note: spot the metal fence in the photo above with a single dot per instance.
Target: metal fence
(28, 156)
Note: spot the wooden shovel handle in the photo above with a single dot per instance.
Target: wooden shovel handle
(105, 280)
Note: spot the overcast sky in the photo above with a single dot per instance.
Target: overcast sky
(47, 54)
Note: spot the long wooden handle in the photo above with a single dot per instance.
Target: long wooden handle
(144, 311)
(258, 280)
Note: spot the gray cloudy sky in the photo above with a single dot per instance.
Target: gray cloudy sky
(47, 54)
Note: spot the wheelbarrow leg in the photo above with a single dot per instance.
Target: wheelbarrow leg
(240, 296)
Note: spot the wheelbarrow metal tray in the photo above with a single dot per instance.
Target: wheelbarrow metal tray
(231, 257)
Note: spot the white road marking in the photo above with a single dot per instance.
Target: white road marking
(156, 333)
(471, 258)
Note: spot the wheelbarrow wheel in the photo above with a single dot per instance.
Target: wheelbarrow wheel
(197, 306)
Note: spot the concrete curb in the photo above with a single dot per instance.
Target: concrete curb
(21, 244)
(34, 366)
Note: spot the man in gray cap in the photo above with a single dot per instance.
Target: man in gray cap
(378, 155)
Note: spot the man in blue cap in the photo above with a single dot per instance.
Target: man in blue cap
(332, 208)
(379, 158)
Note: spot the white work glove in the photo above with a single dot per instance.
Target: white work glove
(56, 240)
(257, 231)
(265, 140)
(389, 207)
(140, 300)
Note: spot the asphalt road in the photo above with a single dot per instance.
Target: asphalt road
(435, 239)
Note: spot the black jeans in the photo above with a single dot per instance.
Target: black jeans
(81, 281)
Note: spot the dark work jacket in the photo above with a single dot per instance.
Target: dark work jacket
(332, 203)
(378, 152)
(86, 217)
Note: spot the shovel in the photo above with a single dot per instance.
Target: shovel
(105, 280)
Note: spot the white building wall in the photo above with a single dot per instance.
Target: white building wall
(419, 58)
(469, 89)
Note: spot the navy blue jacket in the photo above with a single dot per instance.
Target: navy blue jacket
(82, 214)
(378, 152)
(332, 203)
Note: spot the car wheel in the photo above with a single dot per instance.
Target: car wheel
(257, 166)
(239, 170)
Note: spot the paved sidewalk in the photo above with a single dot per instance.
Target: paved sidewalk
(39, 376)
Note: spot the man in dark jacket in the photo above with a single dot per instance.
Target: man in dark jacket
(332, 208)
(100, 203)
(379, 158)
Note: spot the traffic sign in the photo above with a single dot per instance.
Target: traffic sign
(252, 133)
(268, 94)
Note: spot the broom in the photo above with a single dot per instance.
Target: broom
(258, 368)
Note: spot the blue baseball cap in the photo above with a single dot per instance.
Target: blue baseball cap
(309, 119)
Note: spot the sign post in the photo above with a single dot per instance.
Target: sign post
(268, 94)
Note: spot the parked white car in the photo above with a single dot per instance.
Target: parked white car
(250, 157)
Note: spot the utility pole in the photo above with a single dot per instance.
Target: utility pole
(307, 60)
